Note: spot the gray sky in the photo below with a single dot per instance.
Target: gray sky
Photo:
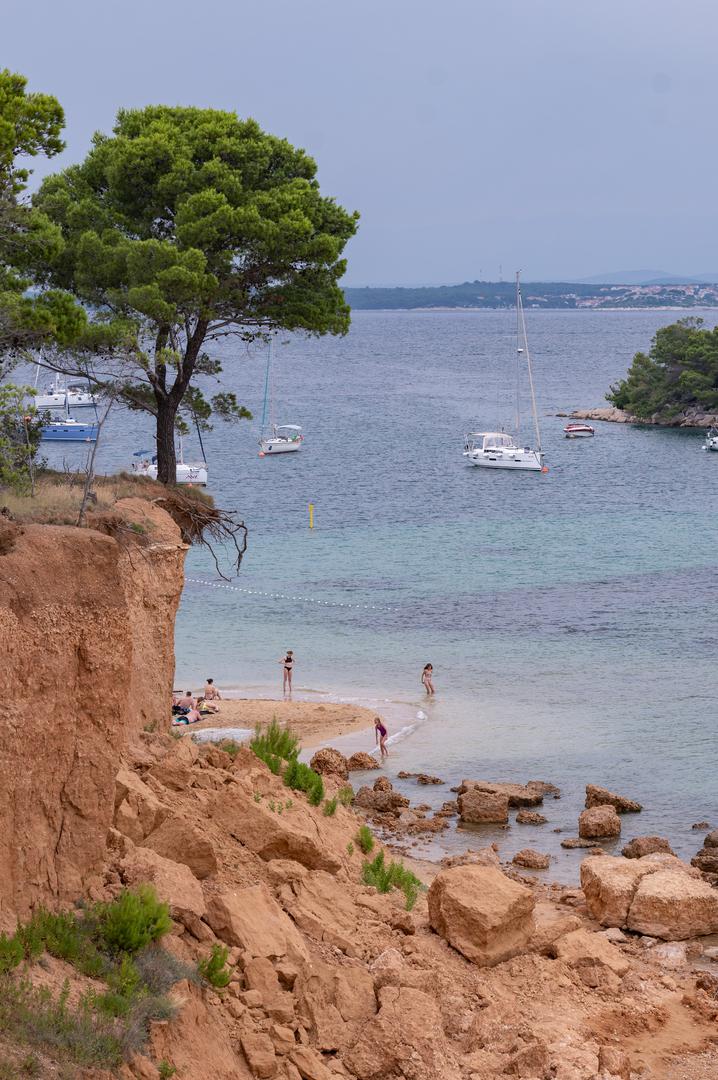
(566, 137)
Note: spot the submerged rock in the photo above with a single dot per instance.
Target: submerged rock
(517, 794)
(579, 842)
(598, 821)
(484, 807)
(600, 796)
(532, 860)
(361, 761)
(646, 845)
(530, 817)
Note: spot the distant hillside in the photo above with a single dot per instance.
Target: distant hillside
(543, 294)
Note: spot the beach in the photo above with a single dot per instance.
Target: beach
(314, 723)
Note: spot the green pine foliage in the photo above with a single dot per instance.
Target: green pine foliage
(679, 372)
(213, 968)
(395, 875)
(132, 921)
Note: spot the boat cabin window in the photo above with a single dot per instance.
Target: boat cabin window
(496, 442)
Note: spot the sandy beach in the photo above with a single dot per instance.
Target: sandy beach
(313, 722)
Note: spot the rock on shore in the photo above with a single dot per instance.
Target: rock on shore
(600, 796)
(599, 821)
(694, 417)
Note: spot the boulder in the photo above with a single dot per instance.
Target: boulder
(252, 919)
(599, 821)
(181, 841)
(298, 835)
(174, 883)
(486, 856)
(336, 1001)
(175, 769)
(382, 802)
(532, 860)
(600, 796)
(483, 807)
(330, 762)
(482, 913)
(584, 949)
(361, 761)
(671, 905)
(646, 845)
(322, 907)
(530, 1061)
(137, 809)
(196, 1040)
(517, 794)
(309, 1064)
(579, 842)
(707, 858)
(530, 817)
(657, 895)
(258, 1049)
(382, 783)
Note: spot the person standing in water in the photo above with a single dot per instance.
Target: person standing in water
(288, 662)
(426, 677)
(381, 734)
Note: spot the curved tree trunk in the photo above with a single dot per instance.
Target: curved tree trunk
(166, 455)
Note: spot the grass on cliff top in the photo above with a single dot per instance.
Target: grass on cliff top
(58, 496)
(117, 943)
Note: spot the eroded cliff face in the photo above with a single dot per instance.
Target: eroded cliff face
(86, 660)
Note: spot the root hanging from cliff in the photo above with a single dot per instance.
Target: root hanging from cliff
(201, 522)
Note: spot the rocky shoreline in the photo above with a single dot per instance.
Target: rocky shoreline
(689, 418)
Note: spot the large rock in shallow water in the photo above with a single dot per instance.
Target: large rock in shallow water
(599, 821)
(657, 895)
(646, 845)
(481, 912)
(330, 762)
(484, 807)
(361, 760)
(601, 796)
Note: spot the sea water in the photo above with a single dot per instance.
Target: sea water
(570, 617)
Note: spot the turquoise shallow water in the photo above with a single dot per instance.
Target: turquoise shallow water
(570, 618)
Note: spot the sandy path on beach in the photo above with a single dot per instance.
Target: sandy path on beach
(313, 722)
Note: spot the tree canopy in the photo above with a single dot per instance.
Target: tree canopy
(30, 124)
(679, 372)
(184, 226)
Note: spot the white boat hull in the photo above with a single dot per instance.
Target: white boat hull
(514, 458)
(711, 444)
(51, 402)
(280, 446)
(196, 474)
(579, 434)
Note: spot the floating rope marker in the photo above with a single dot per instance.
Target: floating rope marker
(285, 596)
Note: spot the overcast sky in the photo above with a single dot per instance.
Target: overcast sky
(565, 137)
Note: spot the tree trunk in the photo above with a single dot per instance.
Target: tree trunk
(166, 456)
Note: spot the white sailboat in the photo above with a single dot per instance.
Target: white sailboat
(711, 442)
(61, 395)
(276, 438)
(500, 449)
(195, 473)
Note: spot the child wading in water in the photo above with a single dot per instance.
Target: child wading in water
(426, 677)
(381, 734)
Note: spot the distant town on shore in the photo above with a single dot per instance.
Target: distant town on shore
(544, 294)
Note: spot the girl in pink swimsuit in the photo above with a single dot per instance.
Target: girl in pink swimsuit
(381, 734)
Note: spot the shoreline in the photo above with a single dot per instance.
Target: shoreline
(610, 415)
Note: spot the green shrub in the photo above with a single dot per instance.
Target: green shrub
(213, 969)
(165, 1069)
(330, 807)
(160, 970)
(365, 839)
(300, 777)
(67, 936)
(132, 921)
(11, 952)
(346, 795)
(350, 849)
(230, 747)
(274, 744)
(394, 876)
(257, 797)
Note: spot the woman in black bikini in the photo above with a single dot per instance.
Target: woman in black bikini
(288, 662)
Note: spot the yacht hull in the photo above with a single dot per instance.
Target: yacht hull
(197, 475)
(280, 446)
(63, 432)
(527, 461)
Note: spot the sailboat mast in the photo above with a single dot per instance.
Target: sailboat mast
(266, 389)
(519, 350)
(524, 338)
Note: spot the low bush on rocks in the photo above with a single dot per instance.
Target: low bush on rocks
(114, 942)
(214, 968)
(330, 807)
(279, 747)
(394, 876)
(346, 795)
(300, 777)
(365, 839)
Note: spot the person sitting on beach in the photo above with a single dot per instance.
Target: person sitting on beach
(186, 702)
(426, 677)
(381, 734)
(211, 693)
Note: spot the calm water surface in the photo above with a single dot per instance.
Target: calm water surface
(570, 618)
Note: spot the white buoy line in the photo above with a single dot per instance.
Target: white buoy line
(287, 596)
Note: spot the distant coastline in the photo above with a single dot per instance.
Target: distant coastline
(549, 296)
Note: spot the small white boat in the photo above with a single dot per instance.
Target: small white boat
(195, 473)
(60, 396)
(285, 439)
(711, 442)
(499, 449)
(579, 431)
(276, 438)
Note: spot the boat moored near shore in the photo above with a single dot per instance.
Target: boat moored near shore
(579, 431)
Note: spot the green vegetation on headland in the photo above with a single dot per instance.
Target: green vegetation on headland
(680, 372)
(542, 294)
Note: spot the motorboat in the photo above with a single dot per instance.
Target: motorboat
(60, 396)
(501, 449)
(284, 439)
(579, 431)
(276, 438)
(498, 450)
(195, 473)
(67, 429)
(711, 442)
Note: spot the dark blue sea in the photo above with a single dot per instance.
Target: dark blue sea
(570, 617)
